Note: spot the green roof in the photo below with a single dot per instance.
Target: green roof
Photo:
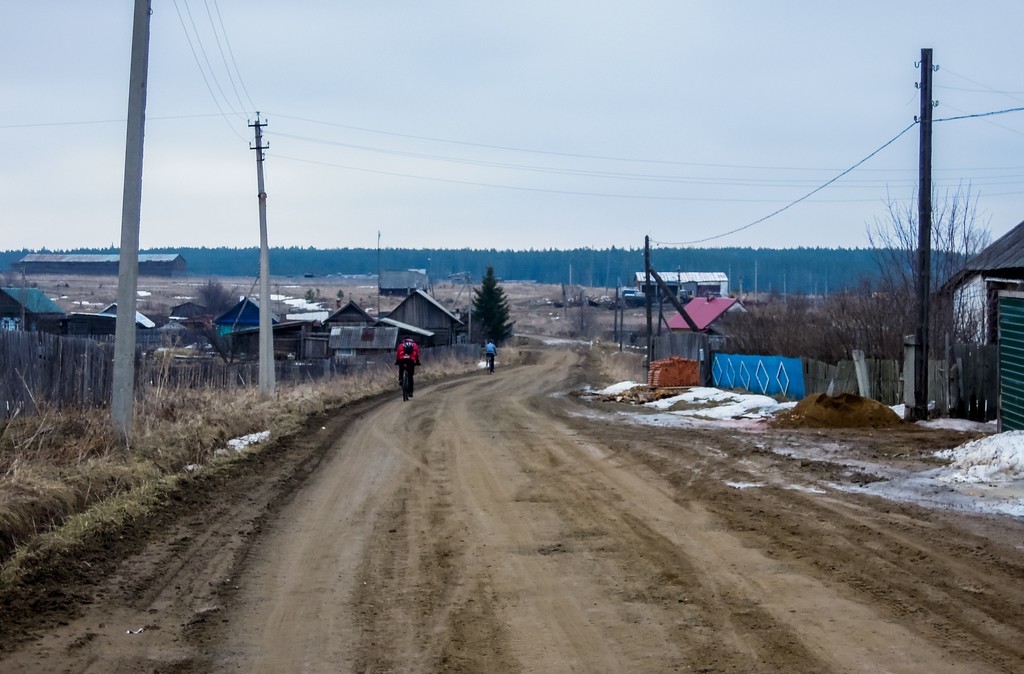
(33, 299)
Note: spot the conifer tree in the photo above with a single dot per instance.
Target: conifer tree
(491, 309)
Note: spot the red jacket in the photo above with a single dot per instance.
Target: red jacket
(401, 355)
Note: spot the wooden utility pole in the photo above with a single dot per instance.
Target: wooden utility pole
(266, 357)
(123, 396)
(924, 240)
(647, 299)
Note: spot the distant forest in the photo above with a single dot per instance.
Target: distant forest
(814, 271)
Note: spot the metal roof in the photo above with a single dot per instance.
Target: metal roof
(406, 327)
(380, 338)
(34, 300)
(1006, 252)
(94, 258)
(704, 312)
(679, 277)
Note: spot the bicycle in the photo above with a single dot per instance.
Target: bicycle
(490, 363)
(405, 380)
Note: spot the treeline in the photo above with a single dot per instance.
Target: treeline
(816, 271)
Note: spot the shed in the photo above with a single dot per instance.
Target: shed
(422, 311)
(349, 341)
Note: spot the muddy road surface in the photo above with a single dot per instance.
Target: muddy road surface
(496, 524)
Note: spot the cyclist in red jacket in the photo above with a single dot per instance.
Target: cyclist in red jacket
(407, 356)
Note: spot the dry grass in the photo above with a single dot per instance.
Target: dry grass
(62, 470)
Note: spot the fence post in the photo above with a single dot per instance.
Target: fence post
(861, 368)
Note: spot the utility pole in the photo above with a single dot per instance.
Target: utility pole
(647, 299)
(266, 370)
(924, 240)
(378, 274)
(122, 399)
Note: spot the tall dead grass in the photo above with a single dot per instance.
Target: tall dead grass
(58, 464)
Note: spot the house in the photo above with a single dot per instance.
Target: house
(349, 342)
(403, 282)
(686, 283)
(28, 309)
(706, 313)
(422, 311)
(975, 289)
(52, 263)
(244, 315)
(140, 320)
(350, 314)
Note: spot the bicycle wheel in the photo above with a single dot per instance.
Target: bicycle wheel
(405, 384)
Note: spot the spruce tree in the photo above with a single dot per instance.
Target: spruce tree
(491, 310)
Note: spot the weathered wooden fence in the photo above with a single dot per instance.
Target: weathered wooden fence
(38, 369)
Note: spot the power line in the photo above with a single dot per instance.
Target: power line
(803, 198)
(231, 53)
(199, 65)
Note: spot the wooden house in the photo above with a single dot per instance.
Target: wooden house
(28, 309)
(422, 311)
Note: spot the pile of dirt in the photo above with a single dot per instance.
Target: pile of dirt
(845, 410)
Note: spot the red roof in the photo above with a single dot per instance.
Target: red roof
(702, 311)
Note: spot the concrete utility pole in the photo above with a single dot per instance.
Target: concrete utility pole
(123, 396)
(924, 240)
(266, 373)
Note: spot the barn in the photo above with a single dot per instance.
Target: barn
(98, 265)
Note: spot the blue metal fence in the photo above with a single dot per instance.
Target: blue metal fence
(768, 375)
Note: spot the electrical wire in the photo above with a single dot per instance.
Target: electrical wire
(803, 198)
(231, 53)
(202, 72)
(220, 48)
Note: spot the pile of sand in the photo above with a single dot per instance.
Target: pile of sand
(845, 410)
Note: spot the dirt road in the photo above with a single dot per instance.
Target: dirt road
(490, 526)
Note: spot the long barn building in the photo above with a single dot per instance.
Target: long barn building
(98, 265)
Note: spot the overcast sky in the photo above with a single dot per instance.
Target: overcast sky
(531, 124)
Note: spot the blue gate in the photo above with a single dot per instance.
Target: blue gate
(767, 375)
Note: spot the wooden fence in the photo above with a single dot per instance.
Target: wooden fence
(38, 369)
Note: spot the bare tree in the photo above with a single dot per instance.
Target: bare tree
(215, 297)
(876, 316)
(957, 234)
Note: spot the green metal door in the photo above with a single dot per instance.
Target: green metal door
(1011, 363)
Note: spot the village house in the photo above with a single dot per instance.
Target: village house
(28, 309)
(976, 289)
